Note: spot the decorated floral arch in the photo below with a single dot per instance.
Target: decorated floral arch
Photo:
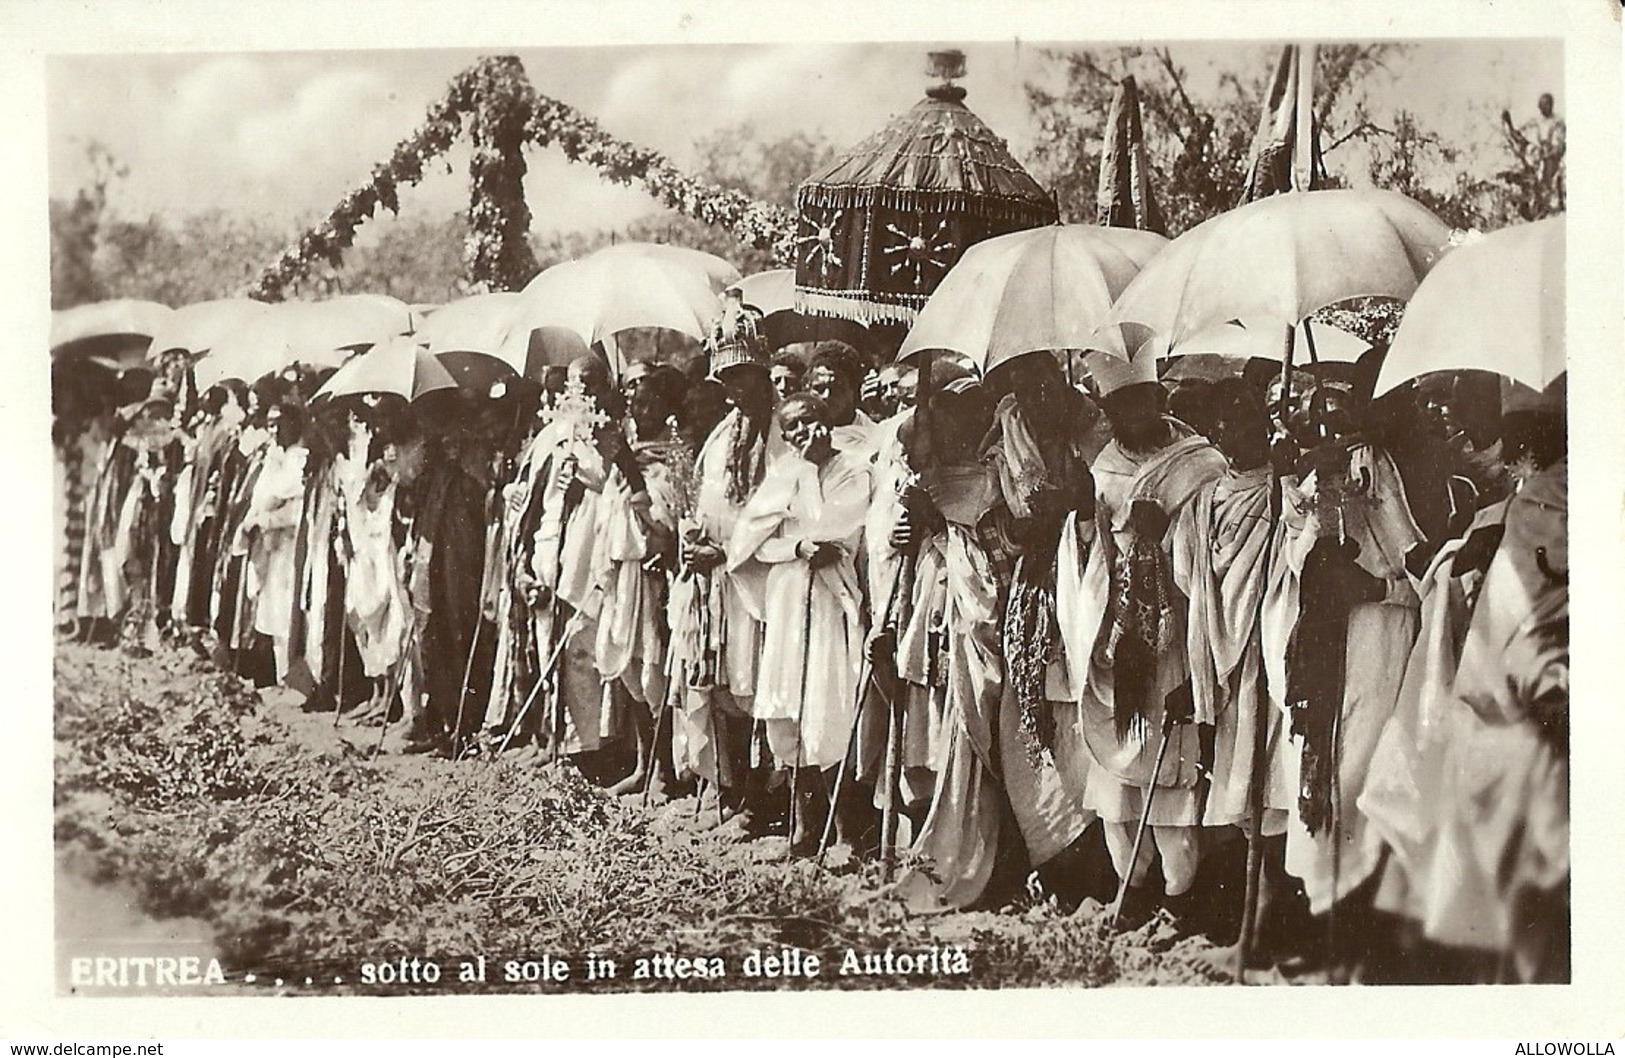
(494, 102)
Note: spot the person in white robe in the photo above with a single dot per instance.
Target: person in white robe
(730, 596)
(578, 712)
(805, 525)
(636, 543)
(270, 531)
(1123, 620)
(1335, 857)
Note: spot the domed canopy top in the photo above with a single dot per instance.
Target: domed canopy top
(936, 155)
(878, 228)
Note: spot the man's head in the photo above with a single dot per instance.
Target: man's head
(961, 414)
(1192, 403)
(632, 378)
(889, 384)
(906, 392)
(704, 404)
(835, 373)
(404, 448)
(787, 372)
(593, 375)
(805, 420)
(286, 421)
(156, 409)
(1035, 380)
(1135, 413)
(1545, 104)
(656, 398)
(750, 389)
(1242, 427)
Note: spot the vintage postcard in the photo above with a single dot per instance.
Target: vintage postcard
(766, 523)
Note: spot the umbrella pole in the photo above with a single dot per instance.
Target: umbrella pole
(1255, 786)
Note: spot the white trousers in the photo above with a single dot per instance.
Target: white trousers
(1179, 848)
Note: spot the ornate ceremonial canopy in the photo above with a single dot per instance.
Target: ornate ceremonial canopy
(880, 227)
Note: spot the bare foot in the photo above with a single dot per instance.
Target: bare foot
(631, 784)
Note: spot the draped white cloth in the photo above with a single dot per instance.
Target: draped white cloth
(813, 624)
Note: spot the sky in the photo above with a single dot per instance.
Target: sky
(284, 134)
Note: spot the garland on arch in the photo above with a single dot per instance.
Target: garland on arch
(502, 112)
(756, 224)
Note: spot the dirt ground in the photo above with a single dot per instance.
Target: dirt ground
(228, 821)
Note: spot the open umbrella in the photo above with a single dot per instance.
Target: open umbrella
(396, 365)
(476, 324)
(720, 274)
(614, 290)
(1283, 257)
(197, 327)
(119, 330)
(769, 292)
(1495, 304)
(318, 333)
(467, 336)
(1045, 288)
(1261, 338)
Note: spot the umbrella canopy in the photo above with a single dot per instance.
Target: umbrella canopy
(1495, 304)
(769, 292)
(396, 365)
(1045, 289)
(1262, 338)
(476, 324)
(319, 333)
(720, 274)
(195, 328)
(618, 289)
(1283, 257)
(881, 226)
(91, 329)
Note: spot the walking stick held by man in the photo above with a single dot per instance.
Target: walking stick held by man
(1255, 788)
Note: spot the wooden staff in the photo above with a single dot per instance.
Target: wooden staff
(1145, 819)
(1255, 787)
(547, 671)
(801, 708)
(390, 691)
(492, 527)
(866, 679)
(344, 624)
(654, 748)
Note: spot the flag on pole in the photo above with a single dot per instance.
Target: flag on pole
(1286, 150)
(1124, 199)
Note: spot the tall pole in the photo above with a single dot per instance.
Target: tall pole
(1255, 786)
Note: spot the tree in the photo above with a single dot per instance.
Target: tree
(76, 226)
(212, 254)
(1198, 145)
(418, 259)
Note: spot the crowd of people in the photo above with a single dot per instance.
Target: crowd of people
(1035, 629)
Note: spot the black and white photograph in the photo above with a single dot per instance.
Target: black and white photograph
(899, 514)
